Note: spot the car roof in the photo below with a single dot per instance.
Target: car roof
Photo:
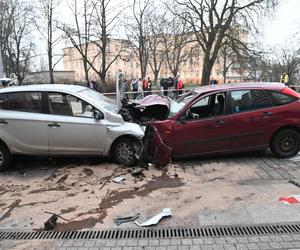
(44, 87)
(237, 86)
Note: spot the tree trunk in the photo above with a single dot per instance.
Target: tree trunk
(206, 72)
(86, 72)
(50, 66)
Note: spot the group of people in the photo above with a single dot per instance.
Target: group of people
(174, 84)
(141, 86)
(169, 86)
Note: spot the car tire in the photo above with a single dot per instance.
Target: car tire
(124, 152)
(285, 143)
(5, 158)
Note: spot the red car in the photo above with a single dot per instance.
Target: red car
(225, 118)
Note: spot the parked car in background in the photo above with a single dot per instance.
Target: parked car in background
(56, 120)
(8, 82)
(230, 118)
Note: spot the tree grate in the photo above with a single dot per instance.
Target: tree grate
(114, 234)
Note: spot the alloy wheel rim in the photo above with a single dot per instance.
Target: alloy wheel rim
(287, 143)
(125, 152)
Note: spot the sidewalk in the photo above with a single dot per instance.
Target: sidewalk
(291, 241)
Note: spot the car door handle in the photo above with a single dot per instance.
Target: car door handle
(218, 123)
(54, 125)
(266, 114)
(2, 121)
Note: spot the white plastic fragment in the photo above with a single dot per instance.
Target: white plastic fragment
(118, 179)
(155, 219)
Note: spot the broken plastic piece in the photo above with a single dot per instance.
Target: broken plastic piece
(166, 212)
(120, 220)
(291, 199)
(118, 179)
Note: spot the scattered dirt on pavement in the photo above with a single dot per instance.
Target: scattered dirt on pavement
(86, 195)
(58, 188)
(78, 224)
(62, 179)
(88, 171)
(67, 210)
(10, 209)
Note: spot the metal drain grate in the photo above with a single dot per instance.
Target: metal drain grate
(212, 231)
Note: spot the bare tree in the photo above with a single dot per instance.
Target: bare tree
(93, 29)
(79, 34)
(288, 60)
(47, 25)
(138, 32)
(212, 21)
(19, 45)
(177, 44)
(157, 50)
(5, 30)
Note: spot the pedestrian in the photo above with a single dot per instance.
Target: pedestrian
(140, 88)
(164, 86)
(170, 83)
(145, 86)
(134, 87)
(179, 87)
(149, 86)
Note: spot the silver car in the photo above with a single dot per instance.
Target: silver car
(54, 120)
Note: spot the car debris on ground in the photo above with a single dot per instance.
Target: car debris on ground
(52, 221)
(290, 199)
(166, 212)
(295, 183)
(120, 220)
(118, 179)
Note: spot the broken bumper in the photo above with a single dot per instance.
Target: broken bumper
(155, 151)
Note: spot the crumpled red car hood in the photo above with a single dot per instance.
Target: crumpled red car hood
(150, 100)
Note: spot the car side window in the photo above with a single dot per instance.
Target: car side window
(59, 104)
(282, 99)
(68, 105)
(80, 107)
(22, 101)
(247, 100)
(3, 101)
(212, 105)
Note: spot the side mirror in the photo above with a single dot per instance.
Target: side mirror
(98, 115)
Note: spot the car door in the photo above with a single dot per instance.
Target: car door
(252, 119)
(23, 125)
(204, 129)
(72, 128)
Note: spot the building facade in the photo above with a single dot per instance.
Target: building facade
(124, 58)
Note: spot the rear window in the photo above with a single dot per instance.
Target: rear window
(22, 101)
(282, 99)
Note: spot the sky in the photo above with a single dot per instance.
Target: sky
(284, 24)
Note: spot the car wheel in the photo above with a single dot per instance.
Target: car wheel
(286, 143)
(5, 158)
(124, 152)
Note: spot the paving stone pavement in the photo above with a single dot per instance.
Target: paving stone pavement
(267, 166)
(291, 241)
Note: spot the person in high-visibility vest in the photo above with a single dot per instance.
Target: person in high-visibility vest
(284, 78)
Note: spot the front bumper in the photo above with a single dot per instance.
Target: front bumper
(155, 151)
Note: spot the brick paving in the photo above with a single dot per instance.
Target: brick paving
(267, 166)
(291, 241)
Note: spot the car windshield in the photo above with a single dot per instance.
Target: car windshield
(102, 100)
(178, 104)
